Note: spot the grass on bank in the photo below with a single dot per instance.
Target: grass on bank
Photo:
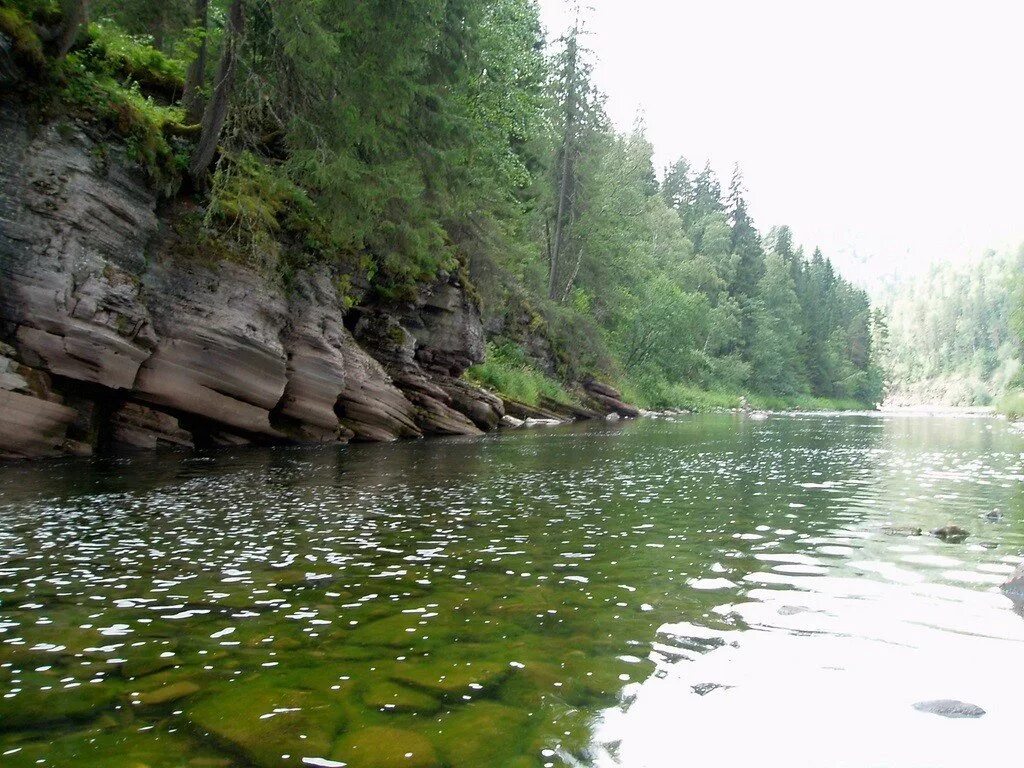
(509, 372)
(1011, 405)
(660, 395)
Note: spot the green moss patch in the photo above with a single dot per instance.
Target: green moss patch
(390, 696)
(386, 748)
(482, 734)
(264, 721)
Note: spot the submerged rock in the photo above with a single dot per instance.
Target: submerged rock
(32, 707)
(378, 747)
(392, 697)
(950, 708)
(167, 694)
(951, 533)
(449, 680)
(481, 734)
(902, 530)
(263, 721)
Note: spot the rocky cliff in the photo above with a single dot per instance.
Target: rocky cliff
(108, 338)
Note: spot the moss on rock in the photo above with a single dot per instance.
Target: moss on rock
(452, 680)
(379, 747)
(482, 734)
(267, 723)
(393, 697)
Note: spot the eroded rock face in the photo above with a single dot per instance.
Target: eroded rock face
(314, 340)
(73, 235)
(135, 425)
(220, 355)
(33, 421)
(425, 346)
(108, 337)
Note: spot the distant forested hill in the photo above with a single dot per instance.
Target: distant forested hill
(954, 335)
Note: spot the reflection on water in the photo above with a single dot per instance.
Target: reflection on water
(708, 590)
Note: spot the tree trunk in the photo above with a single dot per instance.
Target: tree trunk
(565, 182)
(216, 111)
(160, 28)
(75, 16)
(193, 101)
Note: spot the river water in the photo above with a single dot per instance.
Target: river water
(702, 591)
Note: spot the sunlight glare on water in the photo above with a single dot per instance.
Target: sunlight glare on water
(706, 590)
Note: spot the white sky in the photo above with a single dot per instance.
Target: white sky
(889, 132)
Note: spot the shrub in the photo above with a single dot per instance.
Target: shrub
(509, 372)
(1011, 405)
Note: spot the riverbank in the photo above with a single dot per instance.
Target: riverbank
(1011, 405)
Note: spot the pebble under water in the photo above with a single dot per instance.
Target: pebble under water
(706, 590)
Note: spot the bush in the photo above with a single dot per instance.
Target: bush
(91, 90)
(136, 59)
(509, 372)
(1011, 405)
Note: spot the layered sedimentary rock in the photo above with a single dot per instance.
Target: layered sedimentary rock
(609, 399)
(139, 426)
(219, 354)
(33, 422)
(73, 234)
(110, 337)
(425, 346)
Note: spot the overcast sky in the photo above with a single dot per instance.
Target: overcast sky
(889, 132)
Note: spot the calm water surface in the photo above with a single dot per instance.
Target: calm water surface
(706, 591)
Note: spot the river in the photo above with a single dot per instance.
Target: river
(708, 590)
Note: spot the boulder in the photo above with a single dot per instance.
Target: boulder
(1014, 589)
(950, 708)
(954, 534)
(135, 425)
(609, 400)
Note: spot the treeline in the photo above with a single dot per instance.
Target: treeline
(394, 140)
(955, 334)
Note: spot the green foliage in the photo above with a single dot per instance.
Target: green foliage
(1011, 405)
(509, 372)
(26, 46)
(133, 58)
(951, 335)
(90, 89)
(395, 141)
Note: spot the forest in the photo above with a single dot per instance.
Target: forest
(394, 140)
(953, 336)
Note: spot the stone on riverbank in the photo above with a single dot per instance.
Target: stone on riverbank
(950, 708)
(953, 534)
(1014, 589)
